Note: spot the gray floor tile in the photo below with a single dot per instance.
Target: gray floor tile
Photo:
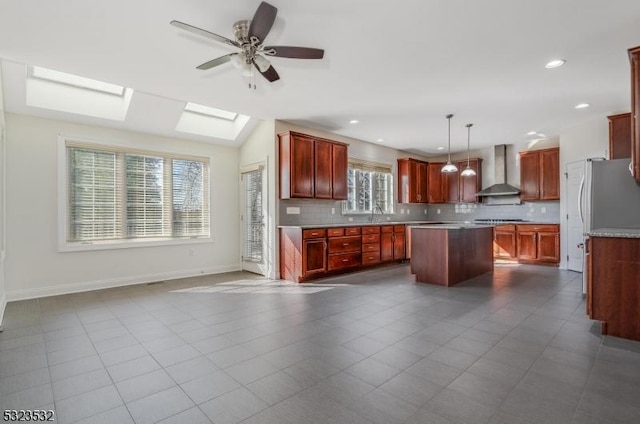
(190, 416)
(26, 380)
(379, 407)
(233, 407)
(124, 354)
(434, 371)
(251, 370)
(372, 371)
(118, 415)
(209, 386)
(133, 368)
(230, 356)
(276, 387)
(175, 355)
(144, 385)
(79, 384)
(88, 404)
(396, 357)
(459, 408)
(73, 368)
(453, 358)
(411, 388)
(344, 388)
(311, 371)
(31, 398)
(159, 406)
(191, 369)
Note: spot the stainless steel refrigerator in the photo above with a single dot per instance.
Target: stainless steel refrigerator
(609, 197)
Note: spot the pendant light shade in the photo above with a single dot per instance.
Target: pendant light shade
(468, 171)
(449, 167)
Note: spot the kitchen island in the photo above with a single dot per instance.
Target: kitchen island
(448, 254)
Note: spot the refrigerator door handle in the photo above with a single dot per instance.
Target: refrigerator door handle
(581, 200)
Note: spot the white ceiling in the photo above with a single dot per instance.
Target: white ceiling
(397, 67)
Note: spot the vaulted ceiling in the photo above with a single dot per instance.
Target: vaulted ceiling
(396, 67)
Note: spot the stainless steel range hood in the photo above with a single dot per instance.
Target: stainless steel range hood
(501, 187)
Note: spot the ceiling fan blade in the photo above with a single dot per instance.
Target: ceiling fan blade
(270, 74)
(262, 21)
(215, 62)
(204, 33)
(294, 52)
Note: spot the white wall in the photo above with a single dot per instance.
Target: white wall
(35, 268)
(588, 140)
(260, 147)
(3, 297)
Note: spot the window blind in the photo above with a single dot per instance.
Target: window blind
(118, 193)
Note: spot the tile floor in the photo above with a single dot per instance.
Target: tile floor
(373, 347)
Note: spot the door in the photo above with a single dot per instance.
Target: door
(550, 174)
(323, 169)
(549, 247)
(253, 219)
(314, 256)
(302, 166)
(386, 243)
(527, 245)
(575, 239)
(434, 183)
(339, 167)
(529, 176)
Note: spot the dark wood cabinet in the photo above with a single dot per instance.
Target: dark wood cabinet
(311, 167)
(538, 243)
(469, 186)
(620, 136)
(451, 186)
(504, 242)
(613, 285)
(435, 190)
(315, 258)
(399, 244)
(370, 245)
(386, 243)
(540, 174)
(634, 58)
(412, 181)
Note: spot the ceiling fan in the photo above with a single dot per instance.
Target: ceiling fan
(249, 38)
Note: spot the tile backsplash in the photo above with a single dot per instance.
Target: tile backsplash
(321, 212)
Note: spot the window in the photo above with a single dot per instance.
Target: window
(369, 185)
(119, 194)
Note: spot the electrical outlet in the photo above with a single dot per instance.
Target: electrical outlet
(333, 211)
(408, 211)
(438, 211)
(350, 219)
(401, 211)
(543, 210)
(425, 211)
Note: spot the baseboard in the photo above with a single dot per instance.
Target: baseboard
(3, 305)
(14, 295)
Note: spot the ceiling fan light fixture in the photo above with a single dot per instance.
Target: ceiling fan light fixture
(262, 63)
(238, 60)
(449, 167)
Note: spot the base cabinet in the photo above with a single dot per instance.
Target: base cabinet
(613, 285)
(504, 242)
(307, 254)
(527, 243)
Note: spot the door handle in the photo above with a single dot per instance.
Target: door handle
(580, 199)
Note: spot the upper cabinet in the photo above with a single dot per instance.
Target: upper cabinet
(412, 181)
(463, 189)
(540, 174)
(435, 191)
(620, 136)
(312, 167)
(634, 57)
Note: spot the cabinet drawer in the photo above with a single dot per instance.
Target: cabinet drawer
(505, 228)
(371, 238)
(370, 230)
(314, 233)
(370, 258)
(352, 231)
(346, 260)
(344, 244)
(371, 247)
(387, 229)
(548, 228)
(398, 228)
(335, 232)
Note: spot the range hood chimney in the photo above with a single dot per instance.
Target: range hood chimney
(501, 187)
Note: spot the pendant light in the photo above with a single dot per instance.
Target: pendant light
(468, 172)
(449, 167)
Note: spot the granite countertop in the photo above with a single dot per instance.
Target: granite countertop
(615, 232)
(414, 223)
(458, 226)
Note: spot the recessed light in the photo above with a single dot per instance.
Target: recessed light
(380, 140)
(354, 121)
(440, 148)
(532, 133)
(556, 63)
(582, 105)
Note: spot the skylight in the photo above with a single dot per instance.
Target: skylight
(210, 111)
(75, 81)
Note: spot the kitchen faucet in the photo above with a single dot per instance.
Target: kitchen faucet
(372, 219)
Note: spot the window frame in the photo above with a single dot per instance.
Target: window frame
(391, 200)
(65, 245)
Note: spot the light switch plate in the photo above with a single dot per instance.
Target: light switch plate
(293, 210)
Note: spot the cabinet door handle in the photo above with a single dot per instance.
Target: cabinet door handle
(345, 260)
(345, 244)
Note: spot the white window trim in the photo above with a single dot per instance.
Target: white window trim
(66, 246)
(394, 198)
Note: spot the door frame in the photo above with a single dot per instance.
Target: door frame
(261, 268)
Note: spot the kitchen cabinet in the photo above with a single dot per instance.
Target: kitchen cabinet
(620, 136)
(307, 254)
(412, 181)
(634, 58)
(311, 167)
(435, 183)
(538, 243)
(540, 174)
(613, 285)
(469, 186)
(504, 242)
(451, 186)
